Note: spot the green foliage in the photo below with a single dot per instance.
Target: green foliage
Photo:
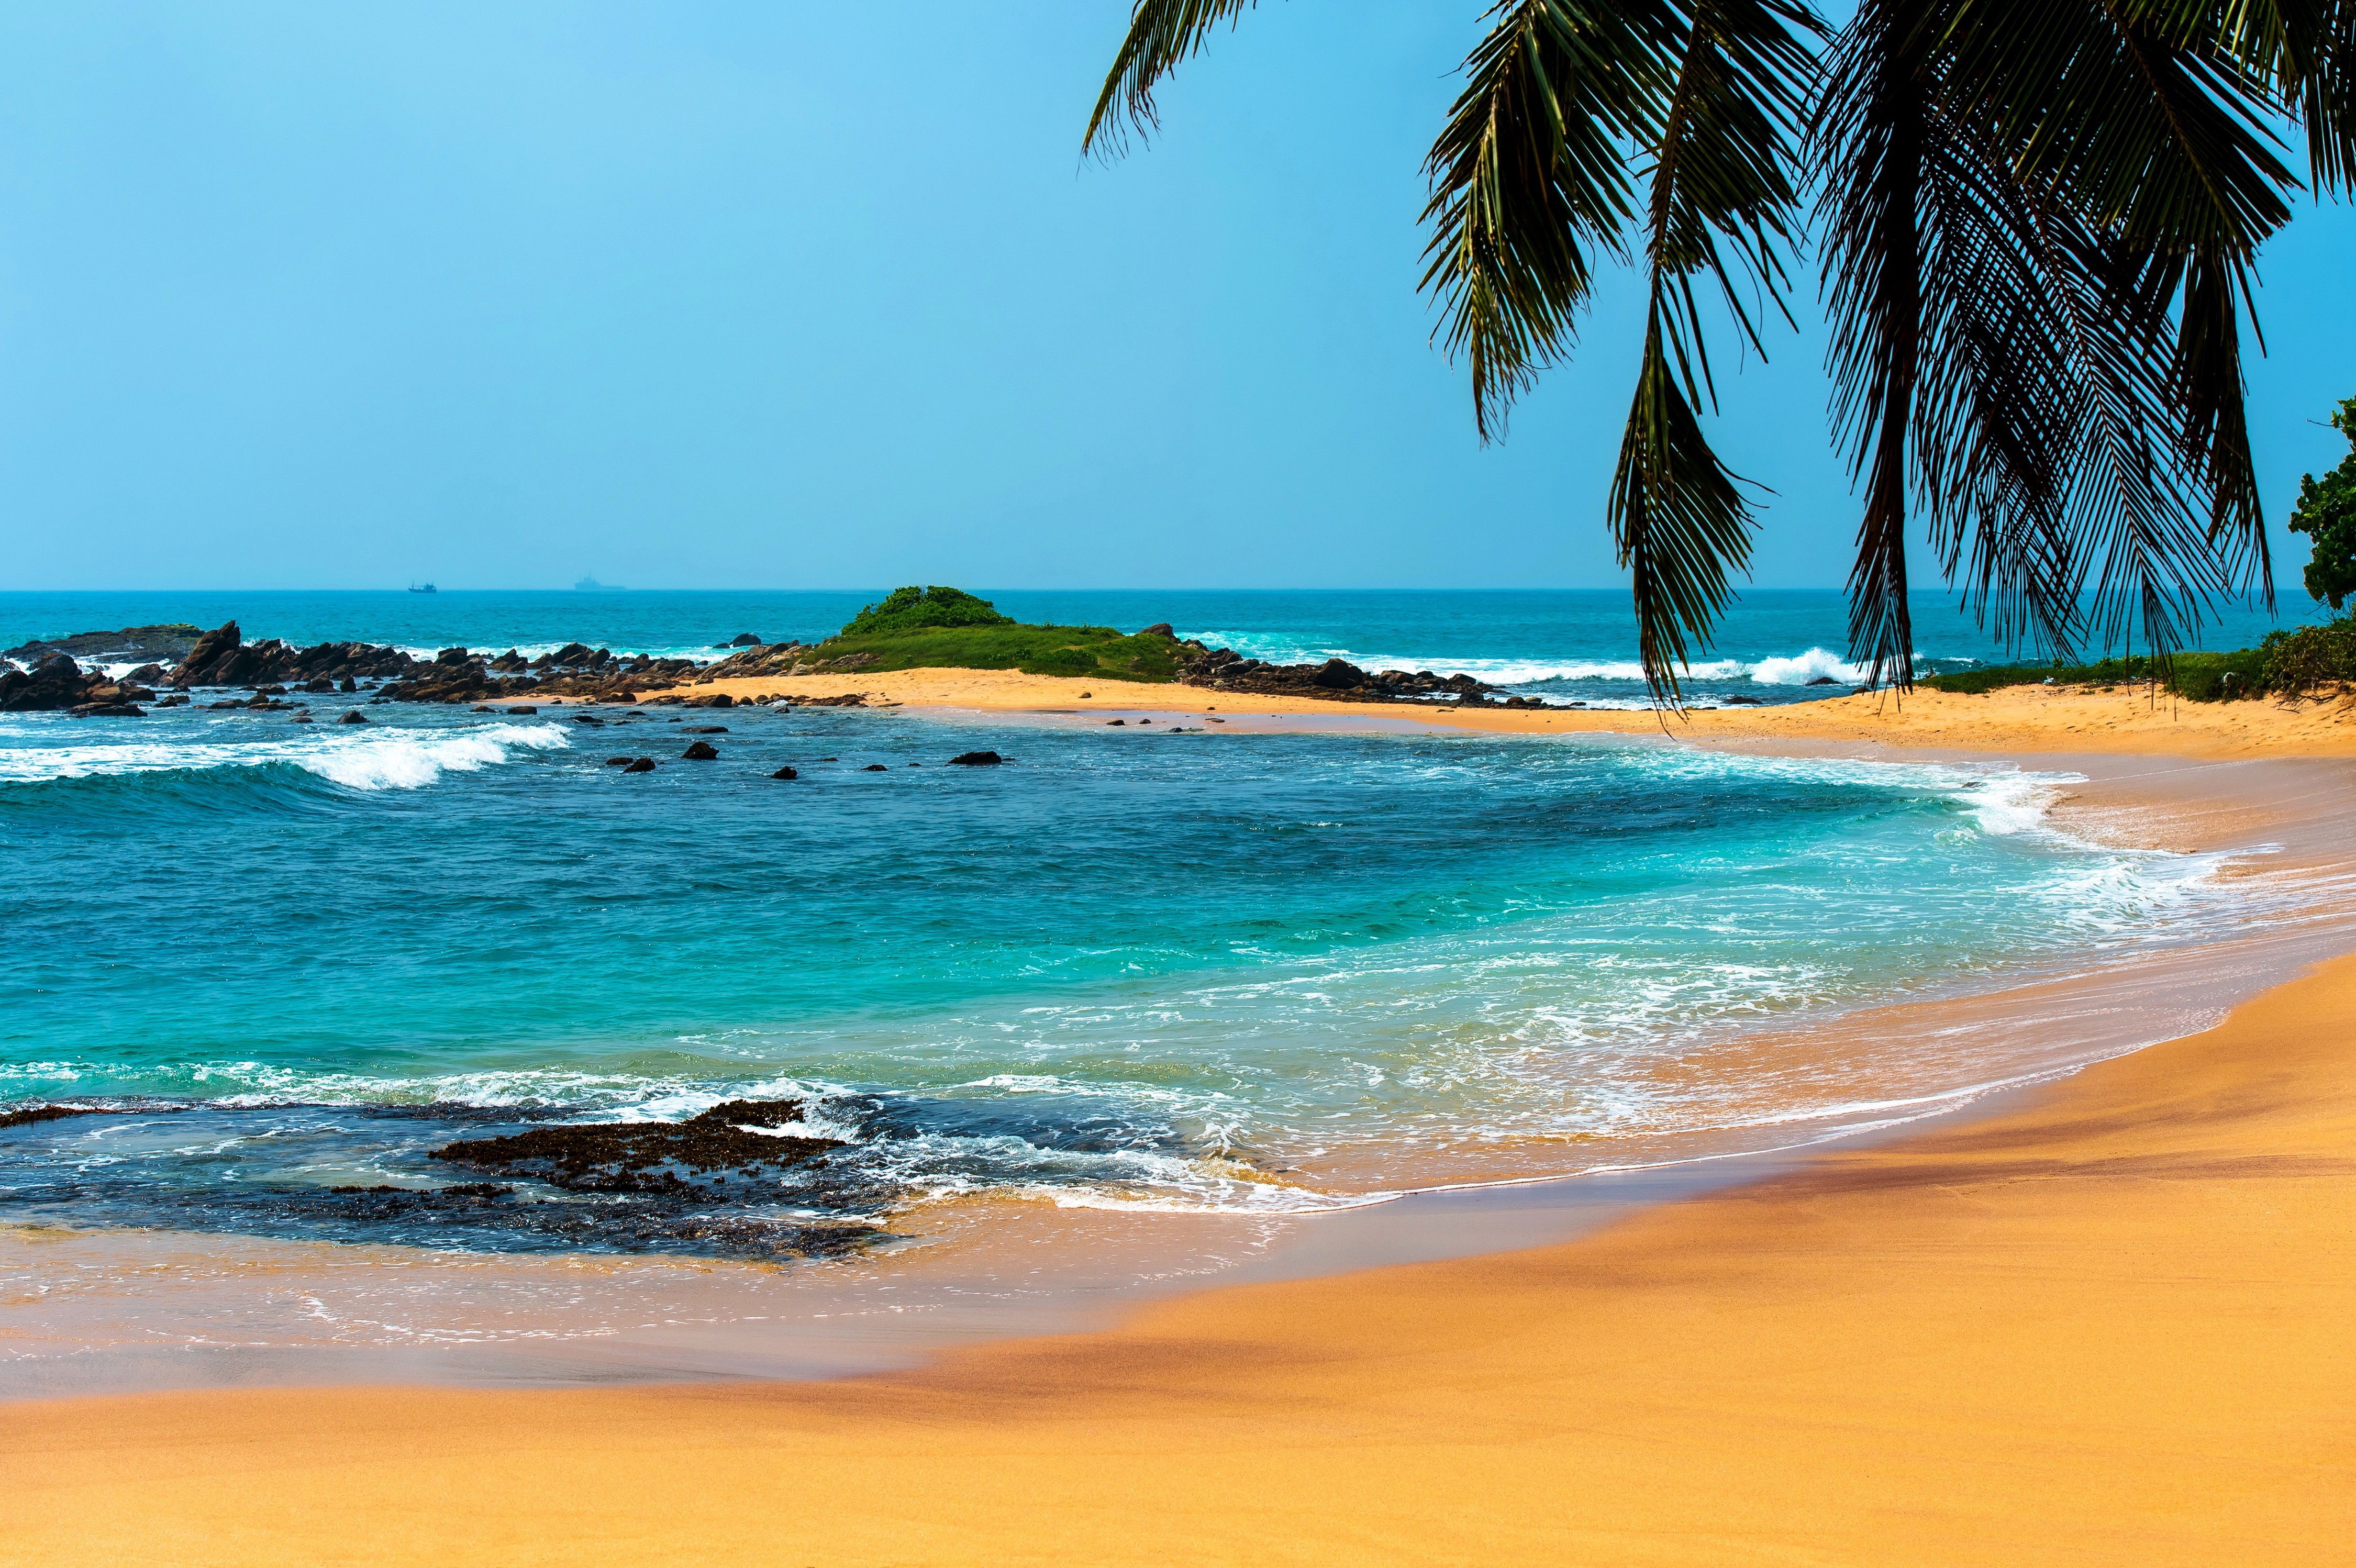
(2312, 658)
(2326, 513)
(2195, 677)
(916, 609)
(1094, 652)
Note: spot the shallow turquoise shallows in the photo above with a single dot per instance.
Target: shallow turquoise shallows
(1182, 969)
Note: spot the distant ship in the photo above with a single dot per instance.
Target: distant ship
(423, 588)
(592, 586)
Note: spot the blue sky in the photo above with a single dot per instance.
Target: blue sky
(766, 294)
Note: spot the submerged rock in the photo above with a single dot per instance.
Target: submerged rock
(353, 718)
(700, 751)
(650, 1156)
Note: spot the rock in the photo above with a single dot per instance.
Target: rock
(785, 773)
(147, 672)
(639, 1156)
(875, 767)
(643, 765)
(1161, 628)
(54, 684)
(300, 719)
(618, 762)
(167, 641)
(107, 711)
(482, 708)
(1338, 673)
(347, 685)
(1824, 681)
(977, 759)
(743, 639)
(587, 719)
(1085, 695)
(1116, 721)
(522, 712)
(1741, 701)
(705, 729)
(353, 718)
(700, 751)
(321, 684)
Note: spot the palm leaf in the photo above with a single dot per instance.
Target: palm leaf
(1160, 34)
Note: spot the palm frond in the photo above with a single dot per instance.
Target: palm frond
(1870, 121)
(1160, 34)
(1720, 203)
(1529, 175)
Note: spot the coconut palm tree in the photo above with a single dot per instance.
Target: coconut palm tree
(2036, 222)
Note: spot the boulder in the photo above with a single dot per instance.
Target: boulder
(107, 711)
(977, 759)
(643, 765)
(354, 717)
(705, 729)
(700, 751)
(54, 684)
(875, 767)
(785, 773)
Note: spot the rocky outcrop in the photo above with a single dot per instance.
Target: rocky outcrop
(166, 643)
(700, 751)
(975, 759)
(58, 684)
(1336, 680)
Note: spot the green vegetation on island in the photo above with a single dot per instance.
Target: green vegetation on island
(937, 628)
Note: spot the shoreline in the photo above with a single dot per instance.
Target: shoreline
(1377, 1439)
(2112, 1324)
(2001, 723)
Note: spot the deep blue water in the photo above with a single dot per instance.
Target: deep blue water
(1212, 968)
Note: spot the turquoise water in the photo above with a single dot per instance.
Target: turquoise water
(1181, 970)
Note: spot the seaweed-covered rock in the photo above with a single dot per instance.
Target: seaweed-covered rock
(652, 1156)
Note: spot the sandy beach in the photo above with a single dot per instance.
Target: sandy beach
(2113, 1321)
(2126, 718)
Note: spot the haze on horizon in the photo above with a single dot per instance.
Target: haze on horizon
(782, 295)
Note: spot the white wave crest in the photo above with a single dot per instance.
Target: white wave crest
(1815, 664)
(407, 760)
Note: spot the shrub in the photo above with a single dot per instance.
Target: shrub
(924, 609)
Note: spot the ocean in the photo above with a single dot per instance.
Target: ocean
(1228, 970)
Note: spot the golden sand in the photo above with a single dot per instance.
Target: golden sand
(2019, 718)
(2116, 1326)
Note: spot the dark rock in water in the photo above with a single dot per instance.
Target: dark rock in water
(705, 729)
(587, 719)
(147, 672)
(1824, 681)
(321, 684)
(830, 759)
(354, 717)
(177, 699)
(347, 685)
(522, 712)
(1163, 628)
(717, 700)
(977, 759)
(618, 762)
(875, 767)
(167, 641)
(300, 719)
(742, 640)
(482, 708)
(643, 765)
(699, 751)
(29, 1114)
(785, 773)
(649, 1156)
(1116, 721)
(1735, 700)
(55, 682)
(108, 711)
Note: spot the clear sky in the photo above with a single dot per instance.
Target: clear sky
(776, 294)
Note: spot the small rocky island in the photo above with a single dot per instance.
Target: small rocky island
(912, 628)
